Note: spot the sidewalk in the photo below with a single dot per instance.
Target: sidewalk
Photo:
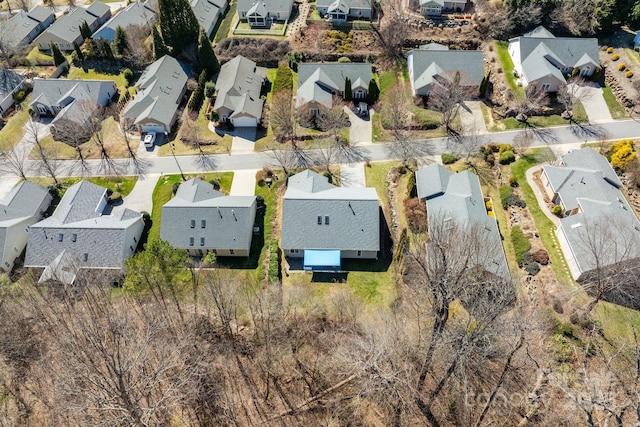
(539, 196)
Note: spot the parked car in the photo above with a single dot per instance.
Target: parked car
(362, 109)
(149, 139)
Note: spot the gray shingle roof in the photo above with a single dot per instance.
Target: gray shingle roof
(587, 181)
(316, 81)
(237, 78)
(40, 13)
(160, 87)
(427, 64)
(273, 6)
(229, 220)
(351, 4)
(82, 224)
(458, 197)
(137, 13)
(17, 28)
(61, 92)
(67, 27)
(207, 14)
(23, 200)
(9, 81)
(354, 215)
(540, 52)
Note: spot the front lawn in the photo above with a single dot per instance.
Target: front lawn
(579, 116)
(507, 65)
(212, 143)
(93, 74)
(14, 130)
(164, 192)
(121, 184)
(617, 111)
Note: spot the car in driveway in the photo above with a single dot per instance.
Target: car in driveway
(362, 109)
(149, 139)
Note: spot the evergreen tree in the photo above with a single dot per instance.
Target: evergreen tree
(178, 24)
(58, 57)
(208, 60)
(85, 31)
(347, 89)
(105, 50)
(79, 53)
(198, 95)
(159, 48)
(374, 92)
(120, 43)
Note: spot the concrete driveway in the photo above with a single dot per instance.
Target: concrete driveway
(593, 101)
(472, 118)
(360, 132)
(6, 184)
(353, 175)
(141, 197)
(244, 183)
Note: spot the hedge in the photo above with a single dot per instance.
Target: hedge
(273, 274)
(507, 157)
(521, 244)
(448, 158)
(283, 79)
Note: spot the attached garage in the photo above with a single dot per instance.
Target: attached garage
(151, 127)
(244, 121)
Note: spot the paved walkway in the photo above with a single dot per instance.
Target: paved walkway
(141, 197)
(353, 175)
(244, 183)
(593, 103)
(539, 196)
(300, 21)
(360, 132)
(472, 118)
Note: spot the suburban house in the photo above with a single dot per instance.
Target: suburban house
(322, 223)
(137, 13)
(24, 205)
(238, 90)
(261, 13)
(319, 82)
(598, 229)
(343, 10)
(456, 200)
(10, 84)
(66, 30)
(435, 61)
(74, 100)
(23, 27)
(541, 59)
(85, 231)
(160, 90)
(436, 7)
(208, 12)
(200, 219)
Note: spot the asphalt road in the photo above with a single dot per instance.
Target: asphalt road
(383, 151)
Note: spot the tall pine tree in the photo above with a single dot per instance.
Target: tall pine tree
(79, 53)
(208, 60)
(347, 89)
(178, 24)
(85, 30)
(159, 48)
(58, 57)
(120, 43)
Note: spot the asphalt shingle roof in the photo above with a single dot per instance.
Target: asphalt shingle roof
(237, 78)
(20, 25)
(354, 215)
(67, 27)
(429, 63)
(160, 87)
(316, 81)
(458, 197)
(23, 200)
(229, 220)
(207, 14)
(137, 13)
(9, 80)
(351, 4)
(274, 6)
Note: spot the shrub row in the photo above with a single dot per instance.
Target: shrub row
(521, 244)
(509, 198)
(273, 274)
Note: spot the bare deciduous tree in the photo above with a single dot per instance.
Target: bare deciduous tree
(448, 92)
(281, 117)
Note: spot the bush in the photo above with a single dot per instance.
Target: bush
(19, 96)
(273, 274)
(489, 205)
(344, 59)
(209, 89)
(128, 76)
(504, 147)
(621, 154)
(216, 184)
(610, 50)
(411, 186)
(629, 74)
(505, 193)
(541, 257)
(283, 79)
(513, 181)
(622, 66)
(521, 244)
(259, 201)
(174, 187)
(615, 56)
(507, 157)
(115, 197)
(531, 267)
(557, 211)
(448, 158)
(416, 212)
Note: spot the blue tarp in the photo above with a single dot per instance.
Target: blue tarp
(322, 259)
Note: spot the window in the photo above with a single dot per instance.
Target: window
(85, 256)
(135, 240)
(74, 237)
(313, 111)
(191, 240)
(231, 251)
(131, 248)
(359, 253)
(202, 241)
(295, 251)
(15, 249)
(60, 237)
(545, 87)
(326, 220)
(193, 223)
(203, 223)
(7, 264)
(319, 220)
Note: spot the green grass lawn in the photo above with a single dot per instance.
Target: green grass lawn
(507, 65)
(617, 111)
(633, 56)
(93, 74)
(579, 116)
(35, 55)
(386, 81)
(163, 193)
(224, 27)
(544, 225)
(121, 184)
(14, 130)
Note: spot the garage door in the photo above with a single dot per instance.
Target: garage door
(240, 122)
(152, 127)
